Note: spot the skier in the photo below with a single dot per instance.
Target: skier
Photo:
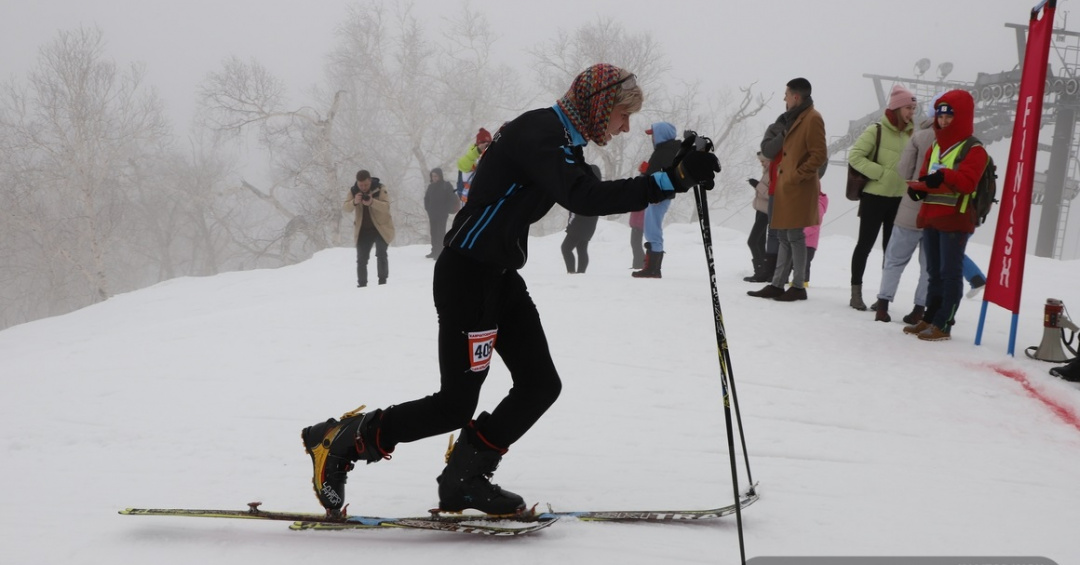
(483, 305)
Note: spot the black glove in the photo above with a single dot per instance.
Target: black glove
(753, 182)
(933, 180)
(915, 195)
(695, 168)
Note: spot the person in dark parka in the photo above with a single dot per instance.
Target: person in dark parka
(439, 202)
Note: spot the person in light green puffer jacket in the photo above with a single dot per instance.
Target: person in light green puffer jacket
(881, 197)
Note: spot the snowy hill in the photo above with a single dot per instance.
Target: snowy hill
(192, 393)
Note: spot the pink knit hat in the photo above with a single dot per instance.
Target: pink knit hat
(900, 97)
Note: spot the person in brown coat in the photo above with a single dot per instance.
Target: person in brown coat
(369, 202)
(795, 200)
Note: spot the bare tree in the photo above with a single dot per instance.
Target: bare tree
(245, 98)
(398, 101)
(75, 132)
(416, 98)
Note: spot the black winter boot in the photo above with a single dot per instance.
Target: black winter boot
(764, 272)
(653, 260)
(881, 311)
(333, 445)
(466, 480)
(915, 316)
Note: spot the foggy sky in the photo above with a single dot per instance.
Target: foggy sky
(722, 43)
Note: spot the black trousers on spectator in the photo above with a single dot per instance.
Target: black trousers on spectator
(756, 241)
(364, 242)
(581, 244)
(876, 213)
(474, 297)
(437, 227)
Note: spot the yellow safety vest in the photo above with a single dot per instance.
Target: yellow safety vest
(947, 161)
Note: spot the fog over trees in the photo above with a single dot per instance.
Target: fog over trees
(102, 195)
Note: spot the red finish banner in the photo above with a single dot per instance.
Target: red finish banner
(1006, 274)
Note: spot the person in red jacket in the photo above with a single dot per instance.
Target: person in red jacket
(947, 216)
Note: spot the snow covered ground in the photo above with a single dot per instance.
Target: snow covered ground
(192, 393)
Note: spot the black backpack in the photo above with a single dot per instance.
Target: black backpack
(985, 195)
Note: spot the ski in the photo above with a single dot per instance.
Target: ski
(745, 500)
(469, 524)
(480, 524)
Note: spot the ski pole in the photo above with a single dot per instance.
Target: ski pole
(727, 382)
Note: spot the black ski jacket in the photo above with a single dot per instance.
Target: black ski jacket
(532, 164)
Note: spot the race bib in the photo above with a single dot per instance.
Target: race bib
(481, 346)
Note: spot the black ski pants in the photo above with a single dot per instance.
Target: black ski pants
(472, 297)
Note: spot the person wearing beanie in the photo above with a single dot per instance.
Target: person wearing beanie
(906, 235)
(945, 186)
(665, 147)
(482, 302)
(881, 197)
(467, 163)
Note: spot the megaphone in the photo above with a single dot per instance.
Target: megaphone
(1055, 322)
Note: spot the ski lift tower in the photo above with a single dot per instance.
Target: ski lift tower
(1059, 186)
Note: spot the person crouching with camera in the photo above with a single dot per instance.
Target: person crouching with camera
(372, 225)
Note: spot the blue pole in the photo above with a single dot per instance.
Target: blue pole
(1012, 334)
(982, 320)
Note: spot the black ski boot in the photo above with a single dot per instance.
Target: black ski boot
(333, 445)
(466, 480)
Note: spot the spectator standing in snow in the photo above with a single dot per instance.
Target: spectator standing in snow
(795, 199)
(579, 230)
(369, 201)
(665, 146)
(906, 235)
(772, 144)
(759, 231)
(483, 305)
(439, 202)
(881, 197)
(947, 217)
